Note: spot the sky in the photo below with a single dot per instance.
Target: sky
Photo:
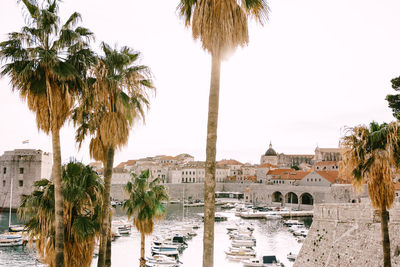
(315, 68)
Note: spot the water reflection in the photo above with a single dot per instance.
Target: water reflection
(272, 239)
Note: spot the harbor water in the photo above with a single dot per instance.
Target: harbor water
(272, 239)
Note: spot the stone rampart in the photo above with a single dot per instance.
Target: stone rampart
(258, 193)
(348, 235)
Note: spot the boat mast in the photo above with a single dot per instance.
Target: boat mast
(9, 216)
(183, 203)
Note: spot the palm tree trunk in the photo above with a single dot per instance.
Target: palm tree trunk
(211, 150)
(385, 237)
(142, 260)
(108, 249)
(106, 206)
(59, 199)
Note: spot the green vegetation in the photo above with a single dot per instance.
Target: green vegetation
(371, 157)
(83, 199)
(45, 62)
(145, 205)
(115, 98)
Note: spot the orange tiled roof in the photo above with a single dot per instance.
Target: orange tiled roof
(331, 176)
(267, 165)
(168, 157)
(279, 171)
(298, 175)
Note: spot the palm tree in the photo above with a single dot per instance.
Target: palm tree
(46, 61)
(83, 198)
(145, 205)
(116, 97)
(221, 26)
(370, 156)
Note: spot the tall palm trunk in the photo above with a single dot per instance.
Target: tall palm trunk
(59, 199)
(211, 150)
(142, 260)
(385, 237)
(108, 248)
(106, 206)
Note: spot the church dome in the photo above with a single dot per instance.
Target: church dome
(270, 151)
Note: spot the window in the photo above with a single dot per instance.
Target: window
(183, 172)
(194, 180)
(194, 172)
(4, 183)
(4, 170)
(183, 180)
(20, 183)
(320, 179)
(21, 170)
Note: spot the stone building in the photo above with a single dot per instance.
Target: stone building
(283, 160)
(22, 167)
(327, 154)
(270, 156)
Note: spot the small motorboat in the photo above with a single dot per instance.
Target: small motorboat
(243, 243)
(265, 261)
(11, 240)
(123, 227)
(291, 256)
(162, 260)
(241, 252)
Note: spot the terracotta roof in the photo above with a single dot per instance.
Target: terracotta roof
(229, 162)
(267, 165)
(168, 157)
(298, 175)
(124, 163)
(279, 171)
(331, 176)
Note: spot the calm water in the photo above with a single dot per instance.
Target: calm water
(272, 239)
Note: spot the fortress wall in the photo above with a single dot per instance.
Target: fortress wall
(348, 235)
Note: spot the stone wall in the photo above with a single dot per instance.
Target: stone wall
(259, 193)
(348, 235)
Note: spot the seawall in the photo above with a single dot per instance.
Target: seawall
(348, 235)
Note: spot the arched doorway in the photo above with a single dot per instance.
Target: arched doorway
(307, 199)
(291, 198)
(277, 197)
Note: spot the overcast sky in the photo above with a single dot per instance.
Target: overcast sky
(316, 67)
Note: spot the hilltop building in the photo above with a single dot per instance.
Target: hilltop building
(22, 167)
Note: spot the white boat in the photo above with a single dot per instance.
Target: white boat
(291, 256)
(293, 222)
(239, 257)
(240, 252)
(122, 227)
(162, 260)
(265, 261)
(301, 232)
(11, 240)
(252, 263)
(243, 243)
(168, 250)
(242, 237)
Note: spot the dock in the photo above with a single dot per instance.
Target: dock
(284, 214)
